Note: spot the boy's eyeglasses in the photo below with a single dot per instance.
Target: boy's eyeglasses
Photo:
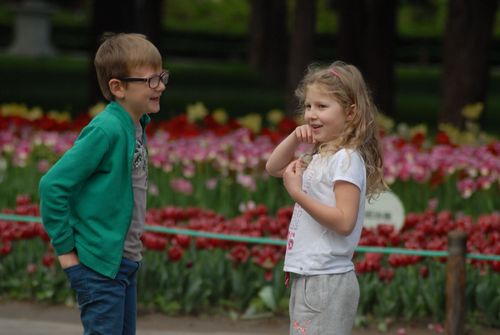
(153, 81)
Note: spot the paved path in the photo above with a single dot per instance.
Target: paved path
(34, 327)
(22, 318)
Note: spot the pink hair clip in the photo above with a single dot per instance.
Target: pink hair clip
(335, 73)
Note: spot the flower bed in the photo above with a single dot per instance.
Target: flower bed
(207, 174)
(182, 274)
(199, 161)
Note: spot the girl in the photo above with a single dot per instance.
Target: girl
(329, 191)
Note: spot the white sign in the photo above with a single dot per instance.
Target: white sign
(386, 209)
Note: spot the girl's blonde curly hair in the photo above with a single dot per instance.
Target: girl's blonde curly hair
(346, 84)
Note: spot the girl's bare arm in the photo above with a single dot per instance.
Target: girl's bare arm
(284, 153)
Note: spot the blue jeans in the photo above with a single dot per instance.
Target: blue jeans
(107, 306)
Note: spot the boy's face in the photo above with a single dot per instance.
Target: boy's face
(137, 97)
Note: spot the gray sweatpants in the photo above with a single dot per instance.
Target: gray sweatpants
(323, 304)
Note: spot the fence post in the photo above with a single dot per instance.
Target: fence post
(455, 284)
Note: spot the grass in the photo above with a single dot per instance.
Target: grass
(62, 83)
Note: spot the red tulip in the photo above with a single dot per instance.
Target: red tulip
(175, 253)
(48, 260)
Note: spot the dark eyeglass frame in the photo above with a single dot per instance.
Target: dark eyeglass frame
(162, 77)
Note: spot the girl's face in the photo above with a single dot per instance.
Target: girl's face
(323, 114)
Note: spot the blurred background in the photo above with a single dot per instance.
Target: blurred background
(432, 64)
(425, 60)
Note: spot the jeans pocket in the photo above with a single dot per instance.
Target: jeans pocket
(78, 279)
(72, 269)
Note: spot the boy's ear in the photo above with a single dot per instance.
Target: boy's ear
(116, 88)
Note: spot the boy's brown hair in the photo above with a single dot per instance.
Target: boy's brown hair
(119, 53)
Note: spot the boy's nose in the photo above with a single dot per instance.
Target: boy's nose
(161, 87)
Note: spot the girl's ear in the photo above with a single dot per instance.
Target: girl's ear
(351, 111)
(116, 88)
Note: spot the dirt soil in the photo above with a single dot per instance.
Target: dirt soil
(211, 324)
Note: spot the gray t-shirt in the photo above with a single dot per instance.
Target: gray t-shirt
(133, 244)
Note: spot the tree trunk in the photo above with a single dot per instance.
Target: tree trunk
(366, 39)
(466, 47)
(378, 52)
(127, 16)
(301, 47)
(350, 31)
(257, 33)
(268, 39)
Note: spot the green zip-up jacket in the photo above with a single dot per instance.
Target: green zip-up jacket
(87, 196)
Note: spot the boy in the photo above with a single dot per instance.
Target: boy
(93, 200)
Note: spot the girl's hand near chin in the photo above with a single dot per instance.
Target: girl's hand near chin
(304, 134)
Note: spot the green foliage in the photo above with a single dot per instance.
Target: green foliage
(18, 180)
(406, 296)
(206, 281)
(422, 18)
(486, 296)
(215, 16)
(24, 276)
(326, 18)
(6, 14)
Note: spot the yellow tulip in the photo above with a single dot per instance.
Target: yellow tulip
(274, 116)
(13, 109)
(220, 116)
(196, 112)
(34, 114)
(473, 111)
(385, 122)
(96, 109)
(419, 128)
(59, 116)
(252, 121)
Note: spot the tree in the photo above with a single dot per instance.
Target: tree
(126, 16)
(367, 38)
(350, 31)
(268, 39)
(466, 47)
(378, 54)
(301, 47)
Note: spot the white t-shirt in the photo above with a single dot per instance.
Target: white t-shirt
(312, 248)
